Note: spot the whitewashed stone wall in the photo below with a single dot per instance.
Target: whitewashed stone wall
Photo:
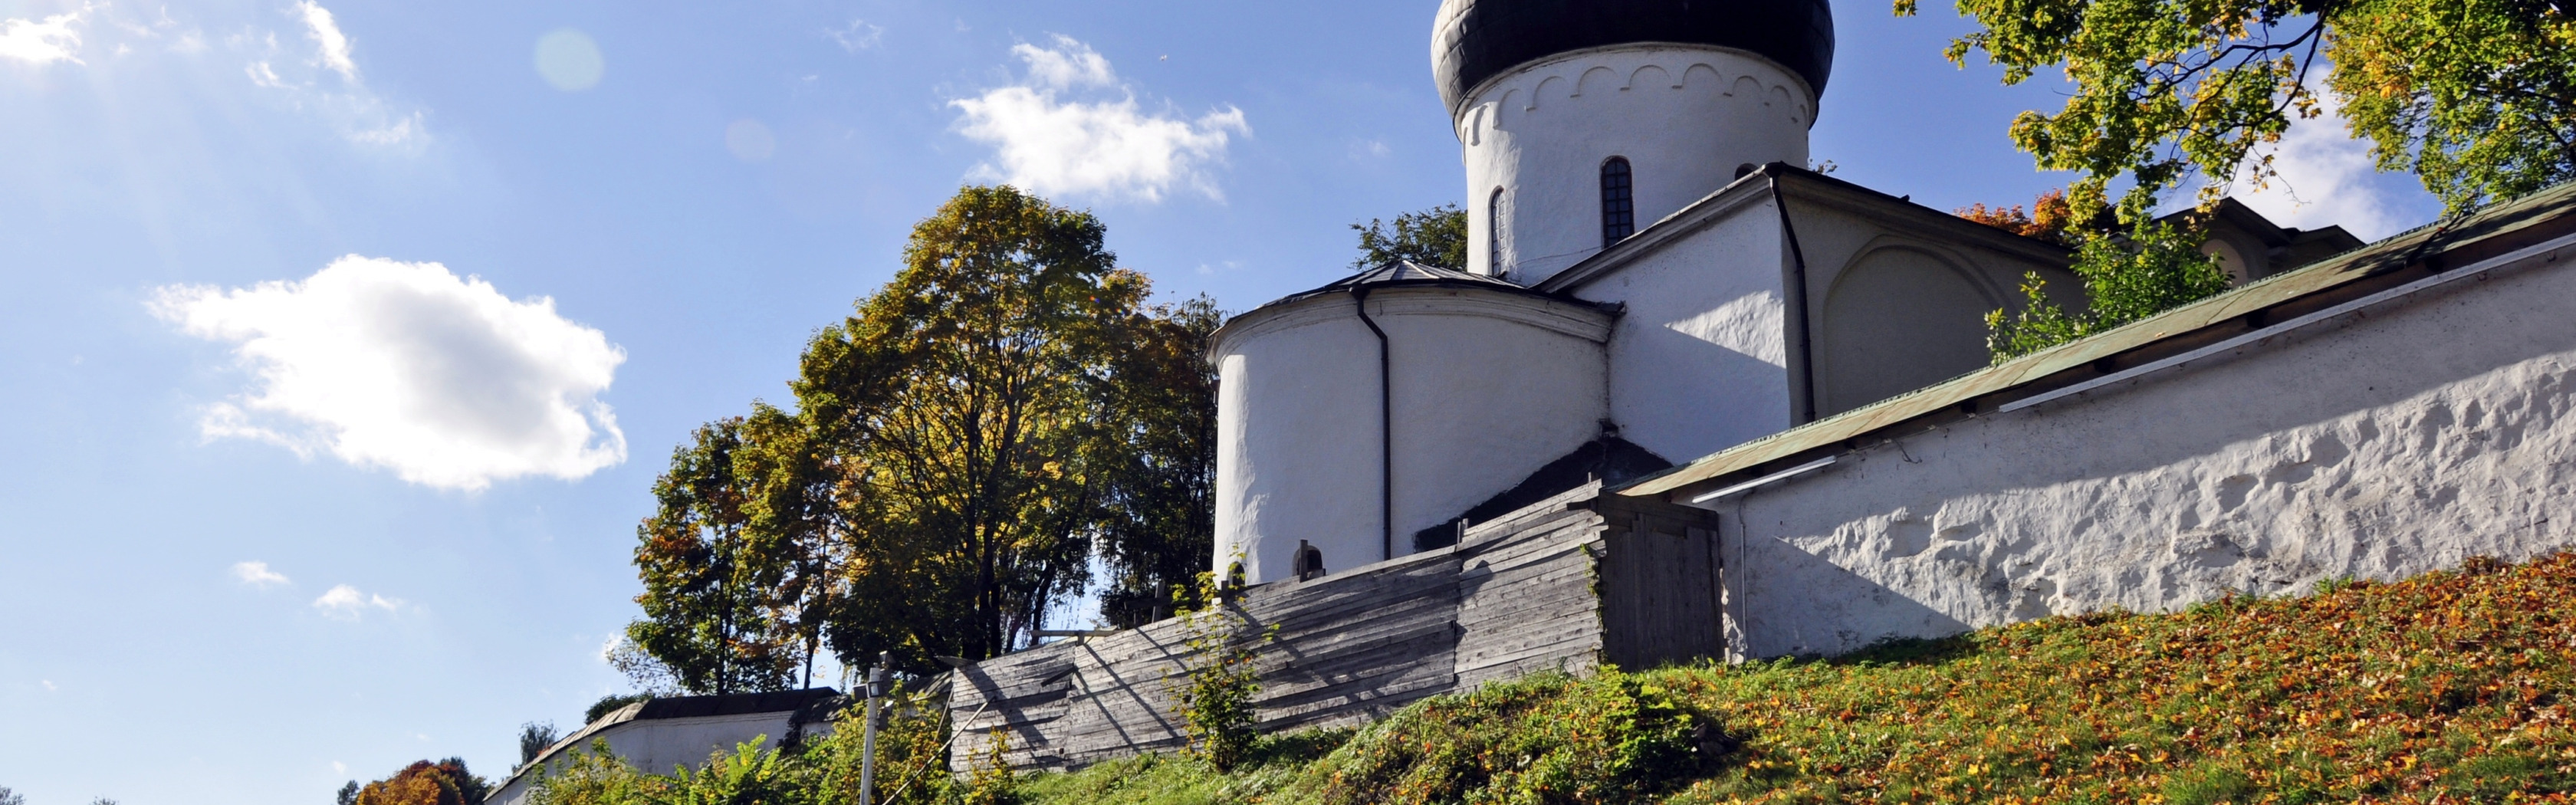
(2390, 443)
(662, 746)
(1488, 386)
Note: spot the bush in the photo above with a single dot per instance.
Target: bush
(1217, 685)
(444, 782)
(2153, 268)
(1613, 737)
(533, 740)
(2451, 687)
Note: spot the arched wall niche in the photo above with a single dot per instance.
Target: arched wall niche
(1899, 317)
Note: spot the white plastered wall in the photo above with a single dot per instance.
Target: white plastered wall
(1684, 116)
(1489, 386)
(660, 745)
(2396, 442)
(1698, 361)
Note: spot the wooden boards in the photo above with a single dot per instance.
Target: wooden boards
(1515, 596)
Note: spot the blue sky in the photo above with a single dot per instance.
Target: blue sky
(341, 339)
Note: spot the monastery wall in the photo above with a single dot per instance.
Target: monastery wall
(2393, 440)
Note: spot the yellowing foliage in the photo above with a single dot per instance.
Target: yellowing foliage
(426, 783)
(2448, 688)
(2451, 687)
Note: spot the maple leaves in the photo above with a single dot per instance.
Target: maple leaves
(2449, 685)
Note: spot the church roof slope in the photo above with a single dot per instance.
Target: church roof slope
(1808, 187)
(1406, 273)
(2542, 221)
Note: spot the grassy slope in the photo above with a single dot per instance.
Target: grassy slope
(2450, 687)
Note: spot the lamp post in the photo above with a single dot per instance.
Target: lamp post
(868, 740)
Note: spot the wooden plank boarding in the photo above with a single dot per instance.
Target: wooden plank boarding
(1563, 584)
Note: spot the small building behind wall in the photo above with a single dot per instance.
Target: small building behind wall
(661, 734)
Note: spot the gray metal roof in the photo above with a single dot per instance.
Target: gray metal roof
(1406, 273)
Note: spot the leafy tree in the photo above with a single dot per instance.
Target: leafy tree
(348, 794)
(8, 797)
(1436, 236)
(1160, 469)
(2477, 97)
(2154, 267)
(533, 740)
(1002, 412)
(445, 782)
(959, 408)
(608, 704)
(709, 591)
(2048, 218)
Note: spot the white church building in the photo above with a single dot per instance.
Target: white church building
(1652, 276)
(1691, 400)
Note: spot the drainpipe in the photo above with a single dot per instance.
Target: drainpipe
(1804, 403)
(1386, 428)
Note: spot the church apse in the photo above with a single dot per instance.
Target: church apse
(1356, 414)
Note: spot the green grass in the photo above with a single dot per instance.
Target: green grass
(2449, 686)
(2452, 687)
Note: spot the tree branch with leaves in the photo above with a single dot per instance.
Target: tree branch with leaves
(2476, 97)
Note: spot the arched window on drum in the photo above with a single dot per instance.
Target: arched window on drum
(1618, 202)
(1494, 234)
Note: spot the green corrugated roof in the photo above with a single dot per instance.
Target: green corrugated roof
(2390, 254)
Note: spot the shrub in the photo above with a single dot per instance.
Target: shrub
(1614, 737)
(444, 782)
(1217, 684)
(533, 740)
(2153, 268)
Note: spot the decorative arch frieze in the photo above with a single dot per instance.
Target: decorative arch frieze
(1584, 74)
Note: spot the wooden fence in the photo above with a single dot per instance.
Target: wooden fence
(1565, 583)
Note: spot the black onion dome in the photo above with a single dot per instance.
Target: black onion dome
(1474, 40)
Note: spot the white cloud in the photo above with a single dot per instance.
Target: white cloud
(2325, 177)
(344, 602)
(362, 115)
(858, 36)
(1106, 147)
(326, 35)
(408, 367)
(1068, 65)
(257, 574)
(49, 685)
(398, 132)
(44, 42)
(262, 75)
